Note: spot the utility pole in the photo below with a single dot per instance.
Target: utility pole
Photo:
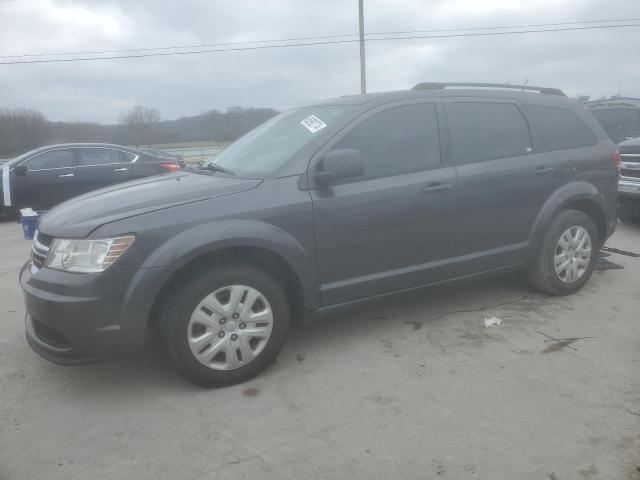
(363, 73)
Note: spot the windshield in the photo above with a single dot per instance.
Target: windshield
(12, 161)
(272, 144)
(16, 160)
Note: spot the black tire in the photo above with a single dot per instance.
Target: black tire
(175, 326)
(543, 275)
(9, 213)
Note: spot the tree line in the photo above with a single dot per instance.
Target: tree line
(24, 129)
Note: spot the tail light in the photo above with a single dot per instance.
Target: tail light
(615, 158)
(170, 167)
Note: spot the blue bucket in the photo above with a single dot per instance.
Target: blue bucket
(29, 225)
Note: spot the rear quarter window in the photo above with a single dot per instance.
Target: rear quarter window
(561, 129)
(128, 156)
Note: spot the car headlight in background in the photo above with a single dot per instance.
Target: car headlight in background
(86, 256)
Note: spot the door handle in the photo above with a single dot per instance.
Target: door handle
(543, 170)
(121, 170)
(437, 187)
(64, 175)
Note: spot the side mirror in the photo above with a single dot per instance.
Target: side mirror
(339, 164)
(21, 170)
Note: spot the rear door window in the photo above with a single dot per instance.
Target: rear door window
(400, 140)
(482, 131)
(52, 159)
(561, 129)
(98, 156)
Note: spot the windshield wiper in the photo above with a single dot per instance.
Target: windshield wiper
(217, 168)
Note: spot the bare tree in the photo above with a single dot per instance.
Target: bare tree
(142, 125)
(21, 130)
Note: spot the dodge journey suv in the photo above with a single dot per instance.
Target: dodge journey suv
(318, 208)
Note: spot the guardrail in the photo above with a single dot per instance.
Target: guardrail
(194, 153)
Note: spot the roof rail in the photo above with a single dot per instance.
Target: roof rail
(438, 86)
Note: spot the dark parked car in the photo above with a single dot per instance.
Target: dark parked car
(629, 186)
(319, 208)
(50, 175)
(162, 154)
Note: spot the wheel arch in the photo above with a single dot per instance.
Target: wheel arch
(250, 242)
(260, 257)
(593, 210)
(581, 196)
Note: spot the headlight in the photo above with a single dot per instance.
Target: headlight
(86, 256)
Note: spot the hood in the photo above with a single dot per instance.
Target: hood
(630, 146)
(81, 215)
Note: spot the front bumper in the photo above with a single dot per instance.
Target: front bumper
(79, 318)
(629, 196)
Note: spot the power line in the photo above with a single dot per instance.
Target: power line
(173, 47)
(531, 25)
(316, 37)
(308, 44)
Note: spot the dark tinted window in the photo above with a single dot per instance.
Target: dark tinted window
(619, 123)
(486, 131)
(99, 156)
(52, 159)
(396, 141)
(560, 128)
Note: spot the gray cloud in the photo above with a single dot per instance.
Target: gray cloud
(596, 62)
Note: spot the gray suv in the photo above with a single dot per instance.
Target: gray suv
(319, 208)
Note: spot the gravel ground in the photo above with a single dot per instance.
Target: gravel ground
(413, 387)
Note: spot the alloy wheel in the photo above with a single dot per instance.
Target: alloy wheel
(572, 254)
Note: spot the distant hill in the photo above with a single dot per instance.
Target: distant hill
(22, 130)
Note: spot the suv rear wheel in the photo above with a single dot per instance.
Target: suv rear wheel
(568, 254)
(226, 325)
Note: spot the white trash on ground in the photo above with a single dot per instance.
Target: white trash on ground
(28, 212)
(491, 321)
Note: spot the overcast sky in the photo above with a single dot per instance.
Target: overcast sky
(590, 62)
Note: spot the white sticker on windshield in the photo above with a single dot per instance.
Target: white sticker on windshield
(313, 124)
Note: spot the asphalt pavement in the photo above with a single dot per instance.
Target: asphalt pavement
(412, 387)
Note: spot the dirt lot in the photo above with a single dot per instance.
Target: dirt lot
(409, 388)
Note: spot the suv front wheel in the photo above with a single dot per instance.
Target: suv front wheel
(567, 255)
(226, 324)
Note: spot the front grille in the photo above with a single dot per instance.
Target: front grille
(37, 259)
(49, 335)
(630, 173)
(40, 249)
(44, 239)
(630, 165)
